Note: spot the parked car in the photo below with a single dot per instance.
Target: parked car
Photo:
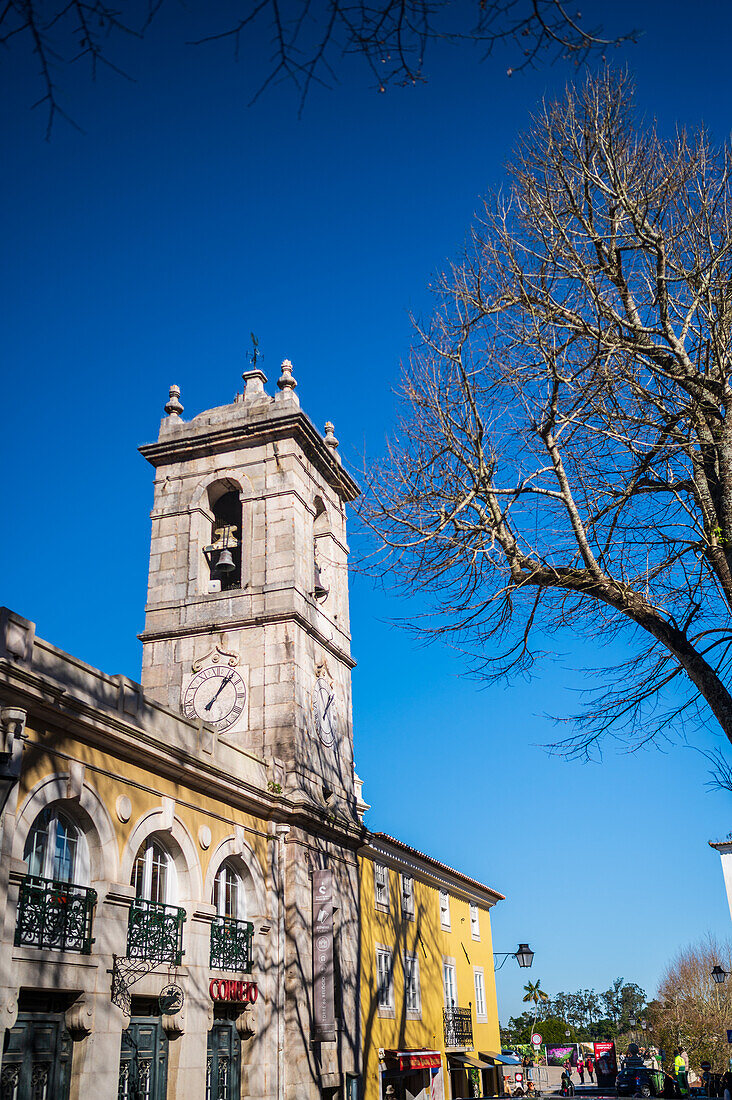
(637, 1079)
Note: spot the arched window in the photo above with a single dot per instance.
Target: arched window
(228, 892)
(224, 553)
(55, 848)
(320, 527)
(153, 874)
(231, 932)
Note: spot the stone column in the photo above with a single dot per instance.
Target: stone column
(188, 1029)
(12, 733)
(94, 1022)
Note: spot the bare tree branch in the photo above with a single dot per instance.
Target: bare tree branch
(309, 37)
(564, 457)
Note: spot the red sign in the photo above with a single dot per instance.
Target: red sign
(228, 989)
(606, 1066)
(431, 1060)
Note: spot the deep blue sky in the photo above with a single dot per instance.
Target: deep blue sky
(143, 251)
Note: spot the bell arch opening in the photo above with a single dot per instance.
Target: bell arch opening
(224, 552)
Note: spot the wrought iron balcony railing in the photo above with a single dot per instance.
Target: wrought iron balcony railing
(231, 944)
(56, 915)
(458, 1027)
(155, 932)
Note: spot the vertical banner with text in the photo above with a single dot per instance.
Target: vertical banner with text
(323, 1006)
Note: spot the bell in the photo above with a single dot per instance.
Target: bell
(225, 564)
(319, 591)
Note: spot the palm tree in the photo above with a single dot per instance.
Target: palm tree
(536, 995)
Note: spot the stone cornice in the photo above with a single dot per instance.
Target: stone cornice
(401, 857)
(199, 440)
(110, 733)
(262, 619)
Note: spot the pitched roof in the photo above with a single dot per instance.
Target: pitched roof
(436, 863)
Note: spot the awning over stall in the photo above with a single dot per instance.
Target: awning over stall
(502, 1058)
(414, 1059)
(469, 1061)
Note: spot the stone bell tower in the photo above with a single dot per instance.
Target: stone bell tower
(246, 626)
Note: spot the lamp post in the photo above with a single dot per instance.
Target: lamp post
(523, 955)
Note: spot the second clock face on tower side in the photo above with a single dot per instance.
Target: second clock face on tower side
(324, 711)
(217, 695)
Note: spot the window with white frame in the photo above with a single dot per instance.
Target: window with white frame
(474, 922)
(55, 848)
(153, 874)
(480, 1009)
(407, 895)
(384, 977)
(444, 909)
(228, 892)
(412, 1001)
(381, 884)
(450, 983)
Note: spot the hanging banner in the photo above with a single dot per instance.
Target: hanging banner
(606, 1066)
(323, 1004)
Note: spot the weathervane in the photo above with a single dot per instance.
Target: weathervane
(255, 354)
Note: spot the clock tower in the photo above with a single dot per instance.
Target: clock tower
(246, 627)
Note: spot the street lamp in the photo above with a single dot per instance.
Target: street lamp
(523, 955)
(718, 974)
(567, 1032)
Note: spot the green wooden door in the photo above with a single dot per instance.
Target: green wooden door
(36, 1059)
(143, 1064)
(223, 1062)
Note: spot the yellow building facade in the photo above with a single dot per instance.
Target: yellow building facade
(429, 1014)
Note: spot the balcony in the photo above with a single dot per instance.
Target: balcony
(231, 944)
(458, 1027)
(55, 915)
(155, 932)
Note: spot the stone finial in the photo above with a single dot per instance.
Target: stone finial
(286, 380)
(330, 439)
(174, 407)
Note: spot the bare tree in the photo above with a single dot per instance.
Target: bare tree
(564, 457)
(691, 1010)
(309, 38)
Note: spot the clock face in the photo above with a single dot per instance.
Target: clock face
(217, 695)
(324, 711)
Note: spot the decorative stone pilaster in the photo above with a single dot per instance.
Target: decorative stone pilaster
(254, 383)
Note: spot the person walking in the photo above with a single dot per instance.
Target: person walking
(581, 1070)
(590, 1067)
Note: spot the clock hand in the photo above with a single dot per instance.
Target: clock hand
(223, 685)
(330, 700)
